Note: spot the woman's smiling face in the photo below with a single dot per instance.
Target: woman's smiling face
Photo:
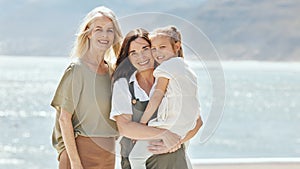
(140, 54)
(102, 33)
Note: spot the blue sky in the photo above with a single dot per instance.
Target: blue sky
(47, 27)
(264, 30)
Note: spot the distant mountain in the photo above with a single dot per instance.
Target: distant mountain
(250, 29)
(240, 30)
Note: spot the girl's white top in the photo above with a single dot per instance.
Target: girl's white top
(180, 106)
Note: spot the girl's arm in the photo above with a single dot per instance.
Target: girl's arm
(155, 99)
(67, 131)
(194, 131)
(137, 131)
(189, 135)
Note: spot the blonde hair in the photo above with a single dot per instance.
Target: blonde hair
(170, 32)
(81, 44)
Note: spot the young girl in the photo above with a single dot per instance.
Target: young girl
(175, 94)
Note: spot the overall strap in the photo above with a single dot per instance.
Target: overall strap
(131, 89)
(133, 98)
(137, 110)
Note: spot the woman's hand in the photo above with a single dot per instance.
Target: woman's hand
(170, 143)
(158, 147)
(175, 148)
(171, 140)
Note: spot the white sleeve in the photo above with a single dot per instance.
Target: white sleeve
(163, 70)
(121, 99)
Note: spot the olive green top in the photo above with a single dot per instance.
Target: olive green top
(87, 96)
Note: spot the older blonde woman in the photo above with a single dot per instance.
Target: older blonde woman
(83, 134)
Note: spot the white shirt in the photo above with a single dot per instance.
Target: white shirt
(180, 106)
(121, 96)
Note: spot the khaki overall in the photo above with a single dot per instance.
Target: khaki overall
(175, 160)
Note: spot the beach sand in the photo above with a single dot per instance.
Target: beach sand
(247, 163)
(242, 163)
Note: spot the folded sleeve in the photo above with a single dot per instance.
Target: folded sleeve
(121, 99)
(68, 91)
(167, 69)
(161, 72)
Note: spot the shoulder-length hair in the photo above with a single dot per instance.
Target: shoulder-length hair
(81, 44)
(124, 68)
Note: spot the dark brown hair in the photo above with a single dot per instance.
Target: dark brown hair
(123, 66)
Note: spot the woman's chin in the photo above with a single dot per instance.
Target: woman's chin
(142, 69)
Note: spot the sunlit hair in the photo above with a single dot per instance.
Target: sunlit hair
(170, 32)
(82, 44)
(123, 66)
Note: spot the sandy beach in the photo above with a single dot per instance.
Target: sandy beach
(247, 163)
(242, 163)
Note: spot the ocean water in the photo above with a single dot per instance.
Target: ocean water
(260, 119)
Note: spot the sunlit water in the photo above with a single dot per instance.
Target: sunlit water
(261, 114)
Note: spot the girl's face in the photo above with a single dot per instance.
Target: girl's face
(102, 33)
(162, 49)
(140, 55)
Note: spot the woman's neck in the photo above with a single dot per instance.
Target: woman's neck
(94, 57)
(145, 80)
(95, 61)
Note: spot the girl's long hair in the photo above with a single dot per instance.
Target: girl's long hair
(172, 33)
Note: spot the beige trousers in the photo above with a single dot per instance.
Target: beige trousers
(94, 153)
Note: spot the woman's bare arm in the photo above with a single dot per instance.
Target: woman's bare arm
(65, 122)
(137, 131)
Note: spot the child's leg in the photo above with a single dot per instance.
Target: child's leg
(139, 155)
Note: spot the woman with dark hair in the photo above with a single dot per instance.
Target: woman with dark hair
(133, 83)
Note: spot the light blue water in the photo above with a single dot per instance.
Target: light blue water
(261, 113)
